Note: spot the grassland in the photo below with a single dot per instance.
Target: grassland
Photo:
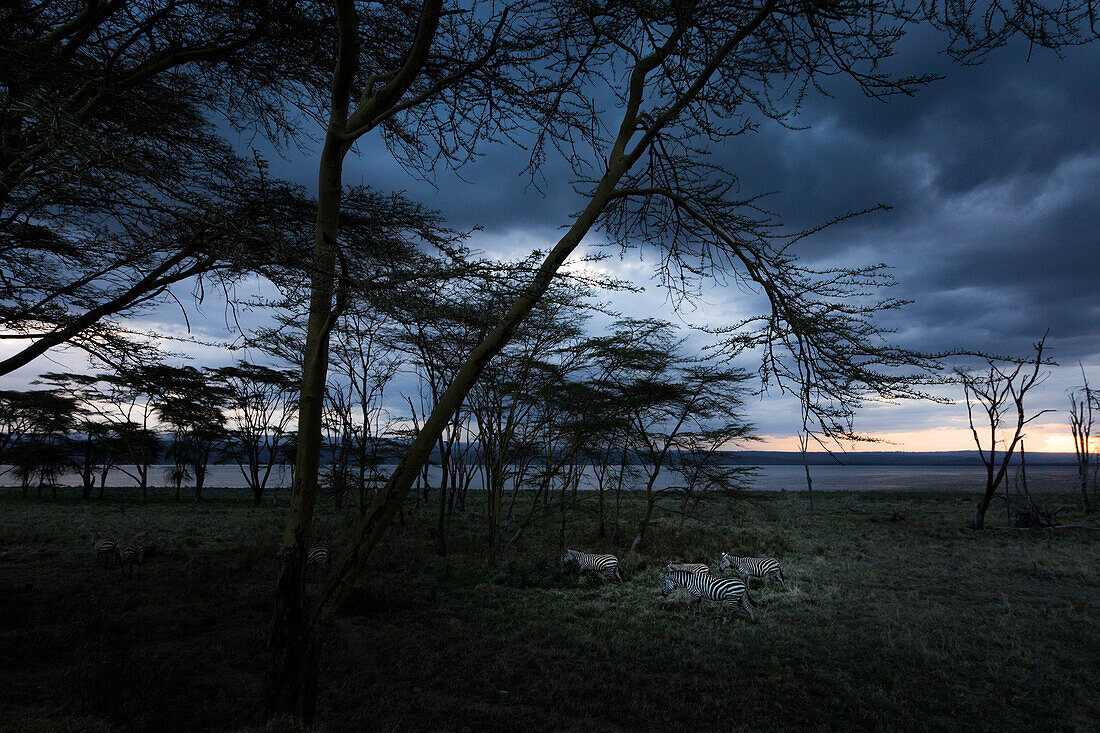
(917, 624)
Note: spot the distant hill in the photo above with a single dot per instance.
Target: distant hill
(891, 458)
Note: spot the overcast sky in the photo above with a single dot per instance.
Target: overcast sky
(993, 174)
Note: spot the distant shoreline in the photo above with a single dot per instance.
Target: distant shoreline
(891, 458)
(768, 477)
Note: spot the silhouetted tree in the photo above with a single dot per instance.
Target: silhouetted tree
(34, 441)
(1081, 402)
(123, 401)
(261, 407)
(998, 392)
(191, 405)
(114, 182)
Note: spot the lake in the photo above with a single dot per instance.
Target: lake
(1042, 478)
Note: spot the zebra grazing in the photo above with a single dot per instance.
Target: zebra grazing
(106, 551)
(132, 555)
(605, 564)
(730, 591)
(691, 567)
(317, 556)
(753, 567)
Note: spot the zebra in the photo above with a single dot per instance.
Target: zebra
(131, 555)
(753, 567)
(606, 564)
(317, 556)
(106, 551)
(691, 567)
(730, 591)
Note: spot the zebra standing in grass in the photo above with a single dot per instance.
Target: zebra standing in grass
(605, 564)
(106, 551)
(317, 556)
(730, 591)
(132, 555)
(691, 567)
(753, 567)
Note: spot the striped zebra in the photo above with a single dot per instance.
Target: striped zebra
(753, 567)
(691, 567)
(317, 556)
(605, 564)
(106, 551)
(730, 591)
(132, 555)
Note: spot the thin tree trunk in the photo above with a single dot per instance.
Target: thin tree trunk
(809, 485)
(651, 499)
(602, 528)
(441, 520)
(530, 513)
(292, 668)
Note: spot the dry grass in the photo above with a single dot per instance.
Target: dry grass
(914, 624)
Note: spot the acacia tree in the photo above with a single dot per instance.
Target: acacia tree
(363, 364)
(21, 413)
(1081, 402)
(114, 183)
(693, 71)
(35, 437)
(434, 330)
(544, 350)
(261, 409)
(123, 400)
(190, 404)
(997, 393)
(94, 452)
(677, 411)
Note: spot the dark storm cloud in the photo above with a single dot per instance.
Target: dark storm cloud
(491, 191)
(993, 175)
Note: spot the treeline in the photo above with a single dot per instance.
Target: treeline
(133, 418)
(625, 405)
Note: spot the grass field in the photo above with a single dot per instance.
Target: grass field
(917, 624)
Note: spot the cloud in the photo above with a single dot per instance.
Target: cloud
(992, 174)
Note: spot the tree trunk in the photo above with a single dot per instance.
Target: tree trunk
(809, 485)
(292, 675)
(602, 528)
(640, 537)
(441, 520)
(292, 679)
(1086, 505)
(200, 479)
(979, 514)
(651, 499)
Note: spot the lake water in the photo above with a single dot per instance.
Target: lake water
(769, 478)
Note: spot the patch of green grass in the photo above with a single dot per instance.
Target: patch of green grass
(913, 624)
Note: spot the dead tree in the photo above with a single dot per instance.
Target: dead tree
(996, 391)
(1080, 424)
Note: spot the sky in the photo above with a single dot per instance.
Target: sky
(993, 176)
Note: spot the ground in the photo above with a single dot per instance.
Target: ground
(897, 617)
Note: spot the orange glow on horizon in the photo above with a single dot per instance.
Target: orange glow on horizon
(1040, 438)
